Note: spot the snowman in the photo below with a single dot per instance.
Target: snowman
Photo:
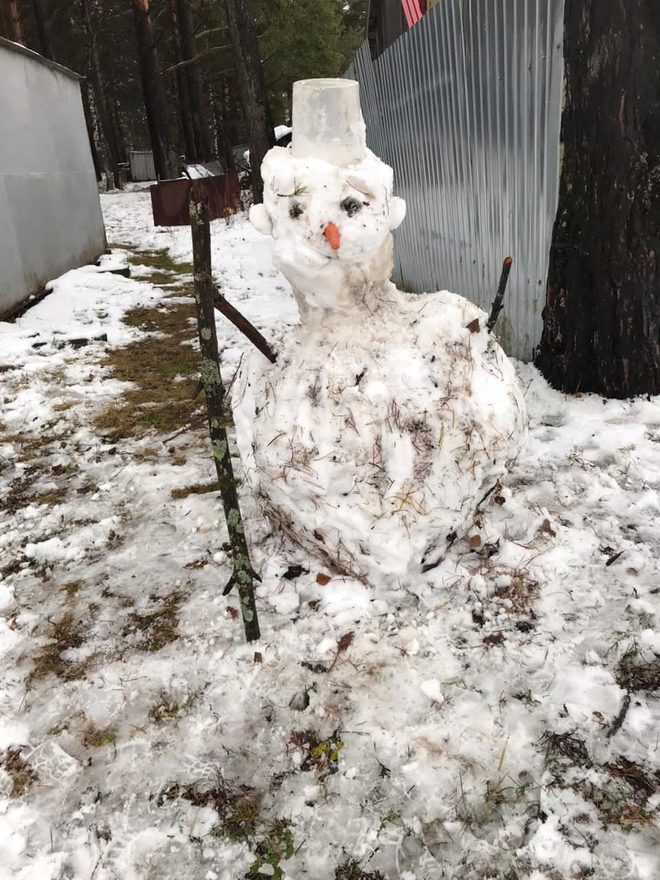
(388, 417)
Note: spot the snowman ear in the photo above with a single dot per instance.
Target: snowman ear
(260, 219)
(397, 212)
(362, 186)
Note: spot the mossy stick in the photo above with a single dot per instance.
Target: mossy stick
(218, 410)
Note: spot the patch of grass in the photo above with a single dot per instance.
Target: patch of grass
(351, 870)
(614, 803)
(321, 755)
(166, 708)
(21, 493)
(96, 737)
(72, 588)
(158, 278)
(619, 791)
(505, 791)
(50, 497)
(238, 806)
(154, 402)
(240, 820)
(64, 634)
(158, 628)
(519, 592)
(276, 846)
(643, 782)
(565, 749)
(636, 674)
(59, 728)
(34, 447)
(16, 497)
(195, 489)
(160, 261)
(12, 567)
(22, 775)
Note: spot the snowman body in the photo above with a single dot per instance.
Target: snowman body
(388, 416)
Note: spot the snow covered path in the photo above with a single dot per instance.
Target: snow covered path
(499, 719)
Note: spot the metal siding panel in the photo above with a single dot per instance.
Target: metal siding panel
(46, 174)
(142, 165)
(466, 108)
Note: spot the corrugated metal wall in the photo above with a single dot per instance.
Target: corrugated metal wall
(466, 107)
(142, 165)
(50, 213)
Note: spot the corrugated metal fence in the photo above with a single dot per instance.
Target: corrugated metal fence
(466, 107)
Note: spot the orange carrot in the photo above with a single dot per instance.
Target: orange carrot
(332, 234)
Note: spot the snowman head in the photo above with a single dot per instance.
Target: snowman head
(328, 200)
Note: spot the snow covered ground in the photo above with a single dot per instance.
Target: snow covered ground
(499, 719)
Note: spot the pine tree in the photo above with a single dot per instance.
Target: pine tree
(154, 92)
(602, 316)
(250, 78)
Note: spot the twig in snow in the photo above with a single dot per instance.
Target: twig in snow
(621, 717)
(241, 323)
(498, 302)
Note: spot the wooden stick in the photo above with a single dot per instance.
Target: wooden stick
(218, 415)
(241, 323)
(498, 303)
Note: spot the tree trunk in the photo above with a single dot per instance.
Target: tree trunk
(16, 22)
(182, 89)
(223, 146)
(43, 30)
(153, 90)
(191, 71)
(85, 89)
(112, 148)
(117, 125)
(602, 316)
(252, 86)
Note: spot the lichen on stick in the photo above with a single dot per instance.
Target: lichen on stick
(243, 575)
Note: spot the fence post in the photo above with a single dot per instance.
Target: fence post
(218, 410)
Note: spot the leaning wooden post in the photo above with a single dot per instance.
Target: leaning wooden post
(498, 302)
(218, 411)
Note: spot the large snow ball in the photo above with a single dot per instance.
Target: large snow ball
(372, 440)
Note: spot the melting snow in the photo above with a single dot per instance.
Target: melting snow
(498, 717)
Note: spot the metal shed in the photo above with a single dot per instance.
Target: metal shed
(466, 107)
(142, 165)
(50, 213)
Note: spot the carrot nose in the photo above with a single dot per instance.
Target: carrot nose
(332, 234)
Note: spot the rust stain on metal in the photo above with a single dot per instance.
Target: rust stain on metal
(170, 198)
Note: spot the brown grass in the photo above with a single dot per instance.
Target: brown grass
(351, 870)
(169, 709)
(95, 737)
(22, 775)
(635, 674)
(237, 805)
(195, 489)
(155, 401)
(64, 634)
(158, 628)
(159, 261)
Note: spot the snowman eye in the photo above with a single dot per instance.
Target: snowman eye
(296, 210)
(351, 206)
